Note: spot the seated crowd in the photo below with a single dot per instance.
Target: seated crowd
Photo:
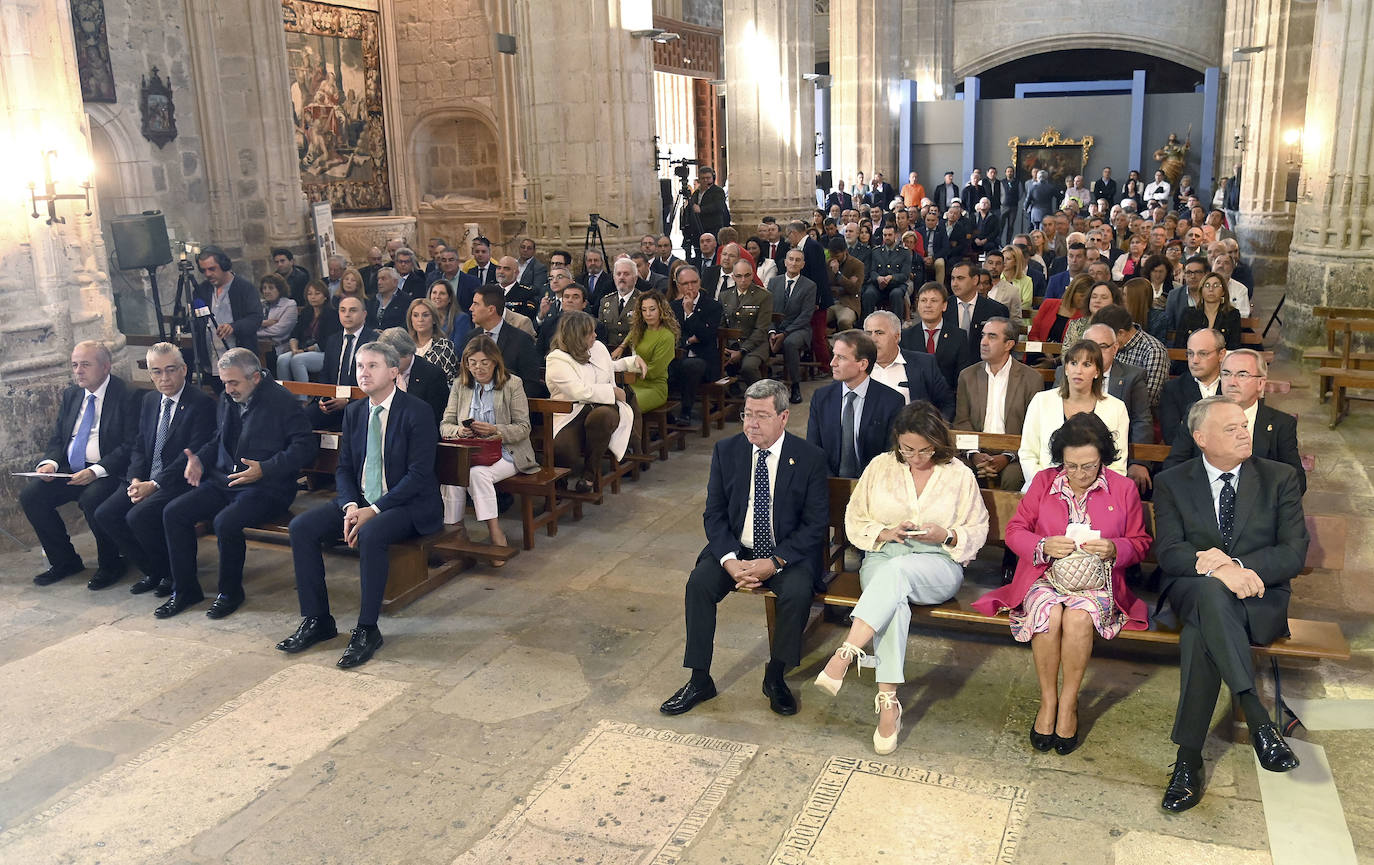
(926, 327)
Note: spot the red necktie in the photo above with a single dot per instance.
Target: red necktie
(930, 341)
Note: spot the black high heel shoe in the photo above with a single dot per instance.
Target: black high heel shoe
(1064, 745)
(1041, 741)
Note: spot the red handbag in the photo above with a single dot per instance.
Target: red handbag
(485, 452)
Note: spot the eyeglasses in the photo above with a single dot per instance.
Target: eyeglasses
(762, 417)
(1243, 375)
(924, 453)
(484, 362)
(1085, 468)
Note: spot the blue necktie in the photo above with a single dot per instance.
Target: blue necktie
(1226, 513)
(76, 451)
(763, 510)
(164, 421)
(849, 458)
(372, 463)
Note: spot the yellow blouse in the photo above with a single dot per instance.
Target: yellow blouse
(886, 496)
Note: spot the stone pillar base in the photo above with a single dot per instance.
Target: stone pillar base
(1264, 240)
(1322, 279)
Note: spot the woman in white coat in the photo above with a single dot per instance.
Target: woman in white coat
(580, 369)
(1084, 389)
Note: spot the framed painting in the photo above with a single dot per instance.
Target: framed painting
(334, 62)
(1061, 157)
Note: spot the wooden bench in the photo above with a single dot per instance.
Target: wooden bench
(1006, 442)
(542, 484)
(715, 395)
(1345, 371)
(1308, 639)
(1332, 354)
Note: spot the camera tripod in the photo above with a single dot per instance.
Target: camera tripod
(687, 221)
(594, 221)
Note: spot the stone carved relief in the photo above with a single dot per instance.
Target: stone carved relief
(92, 51)
(355, 235)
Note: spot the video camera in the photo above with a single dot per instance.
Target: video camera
(682, 168)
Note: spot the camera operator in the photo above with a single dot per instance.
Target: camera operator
(708, 202)
(234, 304)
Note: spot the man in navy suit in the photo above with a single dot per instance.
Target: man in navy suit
(517, 347)
(173, 419)
(97, 422)
(914, 375)
(765, 518)
(387, 493)
(851, 418)
(244, 474)
(1230, 536)
(816, 269)
(968, 309)
(389, 307)
(700, 318)
(327, 413)
(948, 345)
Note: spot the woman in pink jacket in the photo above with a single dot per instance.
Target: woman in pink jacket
(1077, 519)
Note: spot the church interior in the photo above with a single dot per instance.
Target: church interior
(515, 712)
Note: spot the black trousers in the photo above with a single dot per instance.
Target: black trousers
(320, 419)
(1215, 647)
(685, 376)
(709, 584)
(231, 509)
(41, 499)
(324, 524)
(137, 528)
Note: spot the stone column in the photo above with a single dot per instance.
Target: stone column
(770, 109)
(52, 288)
(1269, 93)
(865, 108)
(1331, 261)
(587, 121)
(927, 42)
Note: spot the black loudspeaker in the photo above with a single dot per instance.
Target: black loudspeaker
(140, 240)
(825, 179)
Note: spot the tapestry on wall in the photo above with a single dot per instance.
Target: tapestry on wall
(92, 51)
(336, 99)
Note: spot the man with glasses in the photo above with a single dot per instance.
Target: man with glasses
(748, 308)
(1206, 351)
(700, 317)
(1137, 348)
(1180, 301)
(1273, 433)
(767, 505)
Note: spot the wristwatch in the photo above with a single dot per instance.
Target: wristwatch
(778, 563)
(949, 537)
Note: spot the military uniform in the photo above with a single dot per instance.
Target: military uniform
(752, 314)
(615, 319)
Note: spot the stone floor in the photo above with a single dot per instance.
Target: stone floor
(512, 717)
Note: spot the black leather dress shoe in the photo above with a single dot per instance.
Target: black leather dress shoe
(795, 397)
(177, 603)
(164, 589)
(780, 697)
(687, 697)
(147, 584)
(223, 606)
(361, 645)
(1185, 788)
(104, 578)
(313, 629)
(57, 572)
(1273, 752)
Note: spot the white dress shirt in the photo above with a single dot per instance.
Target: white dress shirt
(894, 376)
(1214, 483)
(746, 535)
(995, 413)
(385, 418)
(92, 443)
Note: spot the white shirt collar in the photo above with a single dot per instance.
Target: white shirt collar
(774, 449)
(100, 391)
(895, 361)
(386, 403)
(861, 390)
(1214, 473)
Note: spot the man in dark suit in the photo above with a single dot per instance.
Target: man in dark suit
(386, 493)
(959, 230)
(413, 282)
(369, 272)
(646, 278)
(1206, 351)
(766, 510)
(388, 308)
(936, 243)
(96, 425)
(234, 304)
(882, 192)
(1105, 187)
(517, 347)
(969, 309)
(244, 474)
(338, 369)
(530, 270)
(708, 202)
(915, 375)
(839, 198)
(972, 191)
(987, 228)
(521, 298)
(571, 296)
(1229, 536)
(816, 269)
(700, 317)
(1017, 384)
(1273, 433)
(416, 375)
(662, 263)
(851, 418)
(794, 297)
(173, 418)
(1009, 188)
(949, 345)
(946, 192)
(482, 268)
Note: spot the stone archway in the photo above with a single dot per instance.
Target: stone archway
(1105, 41)
(460, 172)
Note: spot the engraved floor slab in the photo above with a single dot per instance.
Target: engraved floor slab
(202, 775)
(864, 811)
(68, 687)
(625, 794)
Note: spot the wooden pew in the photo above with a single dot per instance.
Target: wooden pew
(1331, 356)
(542, 484)
(1345, 371)
(1155, 453)
(715, 395)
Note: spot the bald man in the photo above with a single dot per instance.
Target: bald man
(519, 298)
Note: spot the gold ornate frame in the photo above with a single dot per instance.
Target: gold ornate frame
(1052, 152)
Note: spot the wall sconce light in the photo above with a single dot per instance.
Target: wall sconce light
(52, 196)
(1292, 138)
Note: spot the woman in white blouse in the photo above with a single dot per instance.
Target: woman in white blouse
(918, 514)
(1084, 389)
(580, 369)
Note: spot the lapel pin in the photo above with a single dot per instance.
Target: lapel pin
(791, 462)
(1269, 428)
(1111, 507)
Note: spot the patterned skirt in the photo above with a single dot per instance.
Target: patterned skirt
(1033, 616)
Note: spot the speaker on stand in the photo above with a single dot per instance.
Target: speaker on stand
(141, 243)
